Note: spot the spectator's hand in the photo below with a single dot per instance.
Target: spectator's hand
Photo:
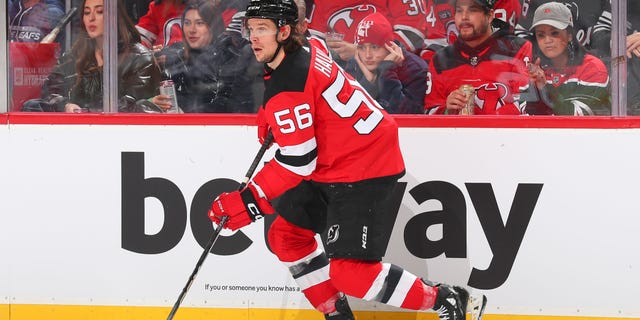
(456, 100)
(72, 107)
(395, 53)
(370, 76)
(343, 49)
(536, 74)
(633, 45)
(159, 58)
(162, 101)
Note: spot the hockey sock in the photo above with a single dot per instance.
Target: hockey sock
(382, 282)
(298, 249)
(311, 273)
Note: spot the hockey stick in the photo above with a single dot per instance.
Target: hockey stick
(223, 222)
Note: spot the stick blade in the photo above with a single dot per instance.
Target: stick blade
(476, 305)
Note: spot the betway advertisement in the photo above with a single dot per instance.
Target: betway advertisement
(542, 221)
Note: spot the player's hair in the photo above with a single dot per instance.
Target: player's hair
(294, 41)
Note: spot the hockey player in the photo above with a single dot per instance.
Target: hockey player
(329, 177)
(494, 63)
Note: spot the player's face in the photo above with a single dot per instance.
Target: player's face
(92, 18)
(262, 34)
(472, 22)
(371, 55)
(553, 42)
(196, 30)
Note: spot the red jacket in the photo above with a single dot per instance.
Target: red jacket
(496, 69)
(161, 24)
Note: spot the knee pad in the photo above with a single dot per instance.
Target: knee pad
(354, 277)
(290, 242)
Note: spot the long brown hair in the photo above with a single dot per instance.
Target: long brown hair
(85, 47)
(209, 12)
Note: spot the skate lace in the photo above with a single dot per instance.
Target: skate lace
(443, 313)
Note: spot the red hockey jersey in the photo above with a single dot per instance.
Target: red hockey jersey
(408, 18)
(509, 11)
(327, 127)
(579, 89)
(441, 30)
(161, 24)
(497, 69)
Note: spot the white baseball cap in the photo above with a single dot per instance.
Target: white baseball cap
(554, 14)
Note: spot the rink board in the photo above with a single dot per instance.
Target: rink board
(64, 255)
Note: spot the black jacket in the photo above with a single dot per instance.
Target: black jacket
(216, 79)
(138, 79)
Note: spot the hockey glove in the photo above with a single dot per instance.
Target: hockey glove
(242, 207)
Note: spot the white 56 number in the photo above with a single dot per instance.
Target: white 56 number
(302, 117)
(349, 108)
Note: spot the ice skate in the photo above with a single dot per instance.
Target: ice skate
(451, 302)
(343, 311)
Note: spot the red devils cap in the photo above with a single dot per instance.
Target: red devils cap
(374, 28)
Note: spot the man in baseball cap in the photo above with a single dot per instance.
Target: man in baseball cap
(486, 4)
(494, 63)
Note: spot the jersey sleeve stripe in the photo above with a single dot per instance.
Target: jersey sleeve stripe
(299, 159)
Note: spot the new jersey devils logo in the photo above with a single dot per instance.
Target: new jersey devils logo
(492, 96)
(346, 20)
(333, 233)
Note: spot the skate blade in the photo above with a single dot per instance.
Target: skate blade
(476, 305)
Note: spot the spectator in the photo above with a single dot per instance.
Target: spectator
(507, 14)
(211, 69)
(494, 63)
(32, 20)
(75, 84)
(601, 46)
(329, 177)
(160, 26)
(393, 76)
(340, 18)
(585, 15)
(565, 79)
(441, 30)
(136, 9)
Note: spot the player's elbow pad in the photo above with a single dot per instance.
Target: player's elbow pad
(274, 180)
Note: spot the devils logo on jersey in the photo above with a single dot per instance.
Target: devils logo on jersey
(346, 20)
(492, 96)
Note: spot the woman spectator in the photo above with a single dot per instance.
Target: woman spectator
(395, 77)
(75, 84)
(211, 68)
(564, 79)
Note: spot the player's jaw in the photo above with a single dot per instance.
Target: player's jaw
(263, 53)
